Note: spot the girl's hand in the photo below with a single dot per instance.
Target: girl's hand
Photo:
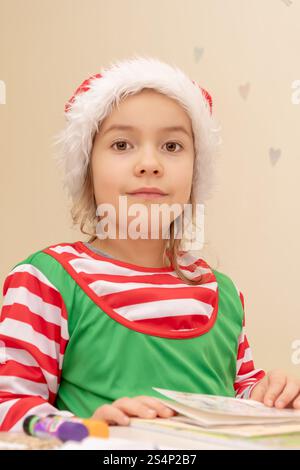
(142, 406)
(278, 389)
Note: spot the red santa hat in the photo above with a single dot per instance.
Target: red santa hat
(94, 99)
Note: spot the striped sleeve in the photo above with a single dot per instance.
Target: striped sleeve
(33, 338)
(246, 374)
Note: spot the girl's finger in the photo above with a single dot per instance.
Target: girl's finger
(296, 402)
(161, 409)
(289, 393)
(134, 407)
(258, 392)
(111, 415)
(277, 382)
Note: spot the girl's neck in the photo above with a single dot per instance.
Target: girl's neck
(145, 253)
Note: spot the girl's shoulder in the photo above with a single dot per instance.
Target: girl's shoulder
(40, 268)
(228, 287)
(223, 279)
(226, 279)
(40, 279)
(41, 256)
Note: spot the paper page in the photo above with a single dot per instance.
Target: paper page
(245, 430)
(195, 433)
(232, 440)
(237, 407)
(210, 419)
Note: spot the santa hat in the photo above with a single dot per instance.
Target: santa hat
(94, 99)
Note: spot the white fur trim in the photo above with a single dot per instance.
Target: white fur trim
(128, 77)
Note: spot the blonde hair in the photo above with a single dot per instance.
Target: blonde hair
(83, 213)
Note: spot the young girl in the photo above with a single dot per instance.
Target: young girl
(88, 328)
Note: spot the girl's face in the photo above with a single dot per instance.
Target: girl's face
(144, 155)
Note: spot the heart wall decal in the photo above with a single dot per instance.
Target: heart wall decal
(244, 90)
(274, 154)
(198, 53)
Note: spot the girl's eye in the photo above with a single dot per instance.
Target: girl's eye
(124, 142)
(120, 142)
(173, 143)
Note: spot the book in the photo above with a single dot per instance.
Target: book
(201, 415)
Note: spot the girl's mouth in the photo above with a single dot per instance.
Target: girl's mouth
(148, 195)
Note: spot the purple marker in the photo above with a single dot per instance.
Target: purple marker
(56, 426)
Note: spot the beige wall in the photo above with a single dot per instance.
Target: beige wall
(47, 47)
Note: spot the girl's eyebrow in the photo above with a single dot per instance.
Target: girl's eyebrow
(120, 127)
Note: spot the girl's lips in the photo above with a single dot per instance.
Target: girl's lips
(148, 195)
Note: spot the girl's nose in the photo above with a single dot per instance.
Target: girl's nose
(154, 171)
(149, 167)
